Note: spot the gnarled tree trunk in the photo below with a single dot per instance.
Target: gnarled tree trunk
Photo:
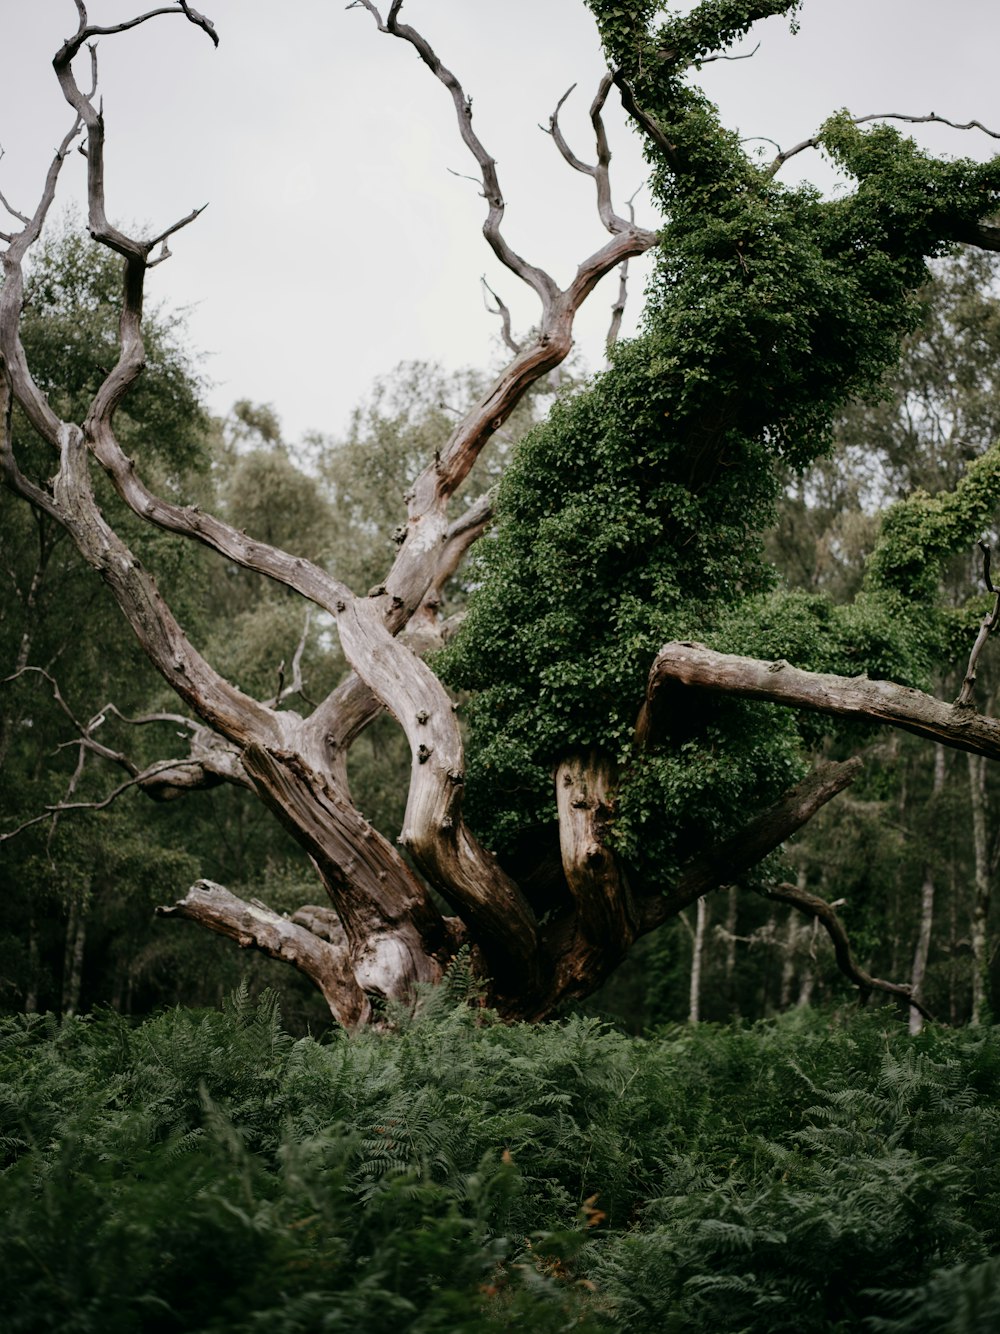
(384, 932)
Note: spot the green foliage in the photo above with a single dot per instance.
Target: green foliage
(204, 1171)
(104, 876)
(634, 514)
(920, 533)
(70, 334)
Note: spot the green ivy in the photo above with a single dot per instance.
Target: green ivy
(634, 514)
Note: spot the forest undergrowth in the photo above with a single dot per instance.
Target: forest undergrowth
(205, 1171)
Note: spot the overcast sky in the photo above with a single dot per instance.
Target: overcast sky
(336, 242)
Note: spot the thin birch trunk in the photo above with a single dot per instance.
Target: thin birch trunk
(807, 982)
(922, 951)
(697, 958)
(31, 991)
(981, 901)
(732, 921)
(791, 948)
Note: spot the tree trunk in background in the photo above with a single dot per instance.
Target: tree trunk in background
(798, 930)
(697, 958)
(76, 939)
(732, 921)
(791, 945)
(923, 946)
(31, 991)
(981, 902)
(808, 980)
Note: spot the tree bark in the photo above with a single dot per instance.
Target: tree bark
(326, 964)
(606, 910)
(981, 1005)
(697, 961)
(922, 950)
(856, 697)
(76, 940)
(384, 934)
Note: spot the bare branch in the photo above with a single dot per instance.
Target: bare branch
(161, 238)
(540, 282)
(86, 30)
(555, 131)
(823, 912)
(600, 172)
(644, 120)
(618, 309)
(61, 807)
(296, 683)
(12, 357)
(987, 626)
(729, 861)
(747, 55)
(54, 685)
(200, 21)
(843, 696)
(930, 119)
(254, 924)
(503, 311)
(351, 707)
(135, 251)
(10, 207)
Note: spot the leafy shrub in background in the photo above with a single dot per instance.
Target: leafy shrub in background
(204, 1171)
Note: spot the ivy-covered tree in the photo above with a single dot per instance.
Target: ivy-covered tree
(627, 754)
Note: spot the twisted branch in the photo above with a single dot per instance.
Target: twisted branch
(856, 697)
(729, 861)
(988, 624)
(823, 912)
(930, 119)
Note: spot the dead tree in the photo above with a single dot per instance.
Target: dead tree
(382, 931)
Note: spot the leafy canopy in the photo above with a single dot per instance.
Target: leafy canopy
(635, 513)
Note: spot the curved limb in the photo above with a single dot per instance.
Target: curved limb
(857, 697)
(736, 855)
(932, 118)
(252, 924)
(537, 279)
(823, 912)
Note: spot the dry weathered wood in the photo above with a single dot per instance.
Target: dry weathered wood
(606, 912)
(844, 696)
(434, 830)
(255, 925)
(392, 926)
(385, 934)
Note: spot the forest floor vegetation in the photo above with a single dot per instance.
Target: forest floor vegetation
(205, 1171)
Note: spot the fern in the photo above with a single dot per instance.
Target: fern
(204, 1171)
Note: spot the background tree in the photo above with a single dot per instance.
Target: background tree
(632, 515)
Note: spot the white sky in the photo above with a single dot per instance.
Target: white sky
(336, 243)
